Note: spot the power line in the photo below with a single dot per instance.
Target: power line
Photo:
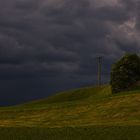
(100, 58)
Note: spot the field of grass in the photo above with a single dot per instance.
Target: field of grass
(77, 133)
(81, 114)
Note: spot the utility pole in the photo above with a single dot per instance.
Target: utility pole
(100, 58)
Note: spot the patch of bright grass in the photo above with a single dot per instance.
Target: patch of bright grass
(81, 114)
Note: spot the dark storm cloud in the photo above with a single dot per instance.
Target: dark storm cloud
(54, 43)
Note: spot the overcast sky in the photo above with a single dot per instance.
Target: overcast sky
(48, 46)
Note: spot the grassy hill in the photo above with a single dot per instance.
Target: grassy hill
(80, 107)
(93, 110)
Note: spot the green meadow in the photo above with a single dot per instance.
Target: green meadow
(76, 133)
(91, 113)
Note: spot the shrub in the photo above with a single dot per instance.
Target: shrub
(125, 72)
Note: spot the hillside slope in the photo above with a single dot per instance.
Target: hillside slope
(80, 107)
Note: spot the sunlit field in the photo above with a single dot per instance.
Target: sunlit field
(81, 114)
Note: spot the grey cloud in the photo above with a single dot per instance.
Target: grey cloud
(51, 41)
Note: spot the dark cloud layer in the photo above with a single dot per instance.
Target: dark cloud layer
(52, 45)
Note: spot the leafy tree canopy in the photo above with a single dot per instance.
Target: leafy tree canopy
(125, 72)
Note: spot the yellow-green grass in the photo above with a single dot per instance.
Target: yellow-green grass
(83, 107)
(81, 114)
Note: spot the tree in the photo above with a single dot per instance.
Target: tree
(125, 72)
